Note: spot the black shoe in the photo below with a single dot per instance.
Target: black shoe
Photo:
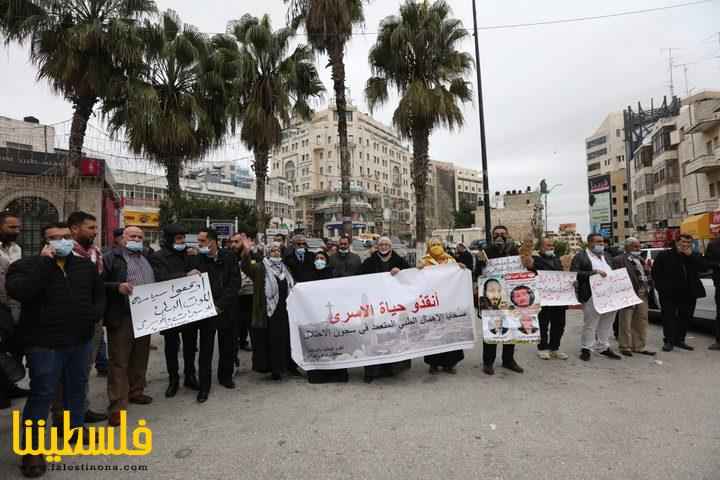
(668, 347)
(489, 369)
(294, 372)
(227, 384)
(33, 466)
(684, 346)
(191, 382)
(172, 388)
(275, 376)
(202, 397)
(714, 346)
(513, 366)
(102, 372)
(17, 392)
(610, 354)
(647, 352)
(94, 417)
(627, 353)
(585, 355)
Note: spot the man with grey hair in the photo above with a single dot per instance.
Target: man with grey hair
(633, 321)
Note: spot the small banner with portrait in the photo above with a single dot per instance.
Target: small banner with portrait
(509, 307)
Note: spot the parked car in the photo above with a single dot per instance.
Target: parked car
(704, 310)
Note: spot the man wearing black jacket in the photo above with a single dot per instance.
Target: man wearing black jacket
(502, 246)
(552, 319)
(676, 273)
(62, 298)
(712, 258)
(223, 274)
(125, 267)
(300, 262)
(168, 263)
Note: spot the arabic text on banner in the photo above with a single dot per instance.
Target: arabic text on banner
(380, 318)
(510, 305)
(613, 292)
(159, 306)
(503, 265)
(557, 288)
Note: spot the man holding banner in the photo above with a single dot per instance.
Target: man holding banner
(503, 246)
(598, 326)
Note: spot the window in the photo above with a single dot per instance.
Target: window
(321, 170)
(614, 201)
(599, 153)
(593, 167)
(624, 187)
(596, 142)
(317, 140)
(329, 139)
(627, 225)
(712, 190)
(329, 154)
(614, 189)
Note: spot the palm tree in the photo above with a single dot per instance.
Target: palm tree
(173, 108)
(79, 46)
(329, 24)
(268, 87)
(416, 53)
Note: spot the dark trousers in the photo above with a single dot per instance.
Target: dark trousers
(717, 313)
(490, 352)
(48, 368)
(101, 360)
(676, 315)
(552, 325)
(227, 347)
(207, 328)
(245, 317)
(189, 335)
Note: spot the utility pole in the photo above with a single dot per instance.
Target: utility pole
(483, 144)
(672, 85)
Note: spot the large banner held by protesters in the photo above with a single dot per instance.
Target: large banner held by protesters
(613, 292)
(557, 289)
(509, 307)
(380, 318)
(159, 306)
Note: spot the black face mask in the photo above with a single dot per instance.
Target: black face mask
(85, 242)
(8, 237)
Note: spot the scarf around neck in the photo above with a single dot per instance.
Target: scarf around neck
(273, 273)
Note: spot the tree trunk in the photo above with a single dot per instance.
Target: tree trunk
(174, 191)
(420, 166)
(336, 54)
(261, 165)
(82, 107)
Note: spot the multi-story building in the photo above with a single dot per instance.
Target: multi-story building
(699, 126)
(382, 198)
(228, 172)
(655, 178)
(610, 213)
(38, 183)
(520, 211)
(468, 187)
(141, 194)
(567, 233)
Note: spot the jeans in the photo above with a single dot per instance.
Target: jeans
(49, 367)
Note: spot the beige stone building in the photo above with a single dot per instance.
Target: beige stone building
(520, 211)
(381, 183)
(606, 167)
(36, 183)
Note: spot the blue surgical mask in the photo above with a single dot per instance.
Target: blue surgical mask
(320, 264)
(179, 247)
(598, 249)
(635, 254)
(300, 251)
(63, 247)
(204, 250)
(135, 246)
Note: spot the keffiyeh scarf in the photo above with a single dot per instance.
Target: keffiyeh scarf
(273, 273)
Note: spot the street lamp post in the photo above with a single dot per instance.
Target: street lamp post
(547, 192)
(483, 146)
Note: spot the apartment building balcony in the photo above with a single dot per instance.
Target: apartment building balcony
(664, 156)
(703, 206)
(704, 163)
(707, 122)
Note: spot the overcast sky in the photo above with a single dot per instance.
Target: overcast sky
(546, 88)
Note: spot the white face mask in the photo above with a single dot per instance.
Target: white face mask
(549, 253)
(275, 259)
(635, 254)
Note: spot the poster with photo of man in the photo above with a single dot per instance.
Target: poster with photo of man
(509, 306)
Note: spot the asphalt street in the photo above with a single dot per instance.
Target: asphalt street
(637, 418)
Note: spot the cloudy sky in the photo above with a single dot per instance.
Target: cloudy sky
(546, 88)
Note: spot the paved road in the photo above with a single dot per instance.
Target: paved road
(616, 420)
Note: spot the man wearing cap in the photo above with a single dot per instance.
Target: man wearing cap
(168, 263)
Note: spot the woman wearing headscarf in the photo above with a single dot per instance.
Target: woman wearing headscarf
(384, 259)
(323, 271)
(272, 282)
(436, 255)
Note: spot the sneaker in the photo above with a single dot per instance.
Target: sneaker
(544, 355)
(714, 346)
(558, 355)
(610, 354)
(585, 355)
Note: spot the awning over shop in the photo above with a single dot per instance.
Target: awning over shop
(698, 226)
